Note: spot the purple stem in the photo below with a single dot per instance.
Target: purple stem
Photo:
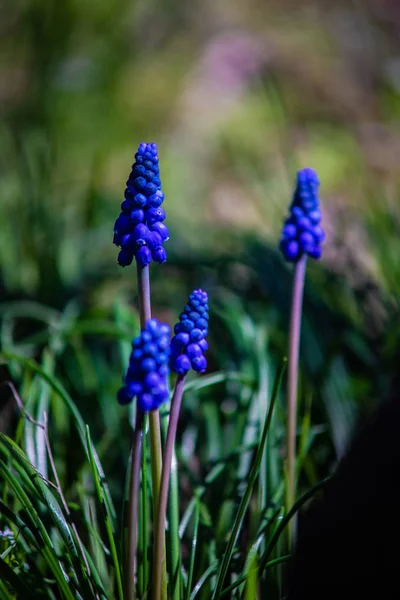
(293, 374)
(143, 276)
(164, 487)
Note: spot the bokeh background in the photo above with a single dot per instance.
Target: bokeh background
(238, 96)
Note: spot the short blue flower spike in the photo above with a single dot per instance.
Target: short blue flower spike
(302, 233)
(146, 377)
(139, 229)
(189, 343)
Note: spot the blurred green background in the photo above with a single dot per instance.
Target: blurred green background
(238, 96)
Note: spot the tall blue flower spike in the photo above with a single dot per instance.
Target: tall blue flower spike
(302, 233)
(139, 229)
(146, 377)
(189, 342)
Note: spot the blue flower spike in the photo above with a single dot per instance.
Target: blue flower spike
(189, 342)
(146, 377)
(302, 233)
(139, 230)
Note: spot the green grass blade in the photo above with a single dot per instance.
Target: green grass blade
(242, 579)
(48, 551)
(100, 490)
(31, 310)
(42, 490)
(43, 406)
(99, 327)
(247, 495)
(59, 389)
(252, 558)
(215, 378)
(286, 519)
(203, 579)
(98, 549)
(193, 551)
(251, 581)
(263, 393)
(22, 527)
(62, 522)
(199, 491)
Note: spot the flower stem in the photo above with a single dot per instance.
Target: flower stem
(154, 415)
(143, 537)
(173, 541)
(156, 456)
(133, 508)
(166, 469)
(293, 373)
(143, 276)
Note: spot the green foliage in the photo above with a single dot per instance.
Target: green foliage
(81, 83)
(58, 507)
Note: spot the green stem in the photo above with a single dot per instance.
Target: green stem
(159, 554)
(143, 539)
(293, 375)
(156, 456)
(133, 508)
(173, 539)
(156, 471)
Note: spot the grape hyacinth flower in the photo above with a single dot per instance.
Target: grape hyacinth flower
(139, 229)
(187, 351)
(146, 377)
(302, 233)
(302, 236)
(189, 343)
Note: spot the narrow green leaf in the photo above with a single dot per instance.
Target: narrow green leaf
(43, 406)
(215, 378)
(100, 490)
(247, 495)
(242, 579)
(251, 580)
(286, 519)
(61, 521)
(199, 491)
(203, 579)
(47, 496)
(79, 423)
(47, 550)
(193, 551)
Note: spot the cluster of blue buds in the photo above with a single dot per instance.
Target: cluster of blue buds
(139, 229)
(302, 233)
(189, 342)
(146, 376)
